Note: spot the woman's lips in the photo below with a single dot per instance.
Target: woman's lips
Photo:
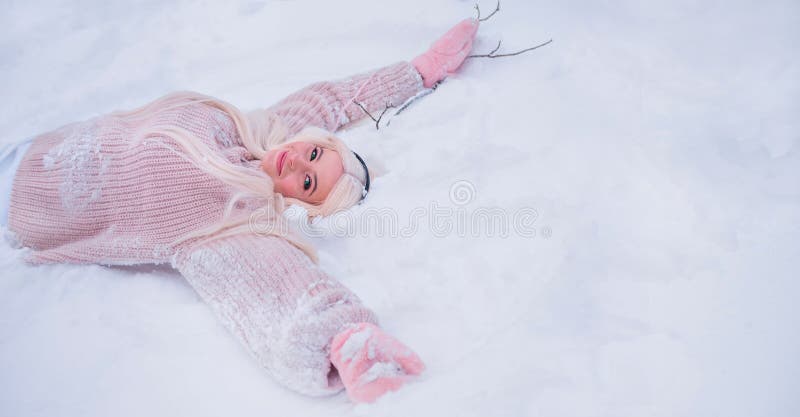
(280, 160)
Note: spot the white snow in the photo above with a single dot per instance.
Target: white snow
(656, 141)
(380, 370)
(354, 344)
(80, 158)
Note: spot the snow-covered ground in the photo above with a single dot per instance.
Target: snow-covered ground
(657, 141)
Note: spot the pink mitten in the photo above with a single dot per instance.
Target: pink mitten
(447, 53)
(371, 363)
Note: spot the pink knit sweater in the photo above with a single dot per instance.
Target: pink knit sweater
(85, 193)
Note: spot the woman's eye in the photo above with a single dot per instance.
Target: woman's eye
(314, 154)
(307, 183)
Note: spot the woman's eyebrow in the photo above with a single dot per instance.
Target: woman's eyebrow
(321, 151)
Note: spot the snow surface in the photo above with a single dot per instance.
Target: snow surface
(657, 142)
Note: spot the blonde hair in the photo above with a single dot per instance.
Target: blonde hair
(259, 130)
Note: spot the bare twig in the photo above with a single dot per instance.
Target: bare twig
(412, 100)
(377, 123)
(500, 42)
(365, 111)
(378, 120)
(493, 55)
(478, 9)
(496, 9)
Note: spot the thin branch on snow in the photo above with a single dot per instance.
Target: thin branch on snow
(493, 55)
(415, 98)
(365, 111)
(378, 120)
(500, 42)
(411, 101)
(377, 123)
(497, 9)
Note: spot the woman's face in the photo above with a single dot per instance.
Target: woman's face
(303, 170)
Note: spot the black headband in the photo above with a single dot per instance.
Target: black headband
(366, 186)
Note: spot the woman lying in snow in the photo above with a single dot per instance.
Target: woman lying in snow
(151, 185)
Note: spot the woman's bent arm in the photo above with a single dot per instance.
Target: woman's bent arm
(331, 105)
(277, 303)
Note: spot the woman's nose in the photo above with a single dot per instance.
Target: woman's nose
(295, 161)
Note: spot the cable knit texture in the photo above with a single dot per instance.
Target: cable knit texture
(89, 193)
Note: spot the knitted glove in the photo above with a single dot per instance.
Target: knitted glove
(447, 53)
(371, 363)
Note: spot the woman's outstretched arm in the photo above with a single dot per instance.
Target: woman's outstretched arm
(288, 313)
(332, 105)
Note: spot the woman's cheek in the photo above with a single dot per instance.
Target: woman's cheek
(286, 188)
(280, 187)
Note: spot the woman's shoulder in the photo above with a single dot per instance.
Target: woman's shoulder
(209, 124)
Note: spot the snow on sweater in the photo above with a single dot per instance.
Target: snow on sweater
(87, 193)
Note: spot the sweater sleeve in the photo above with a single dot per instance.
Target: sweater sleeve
(331, 105)
(277, 303)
